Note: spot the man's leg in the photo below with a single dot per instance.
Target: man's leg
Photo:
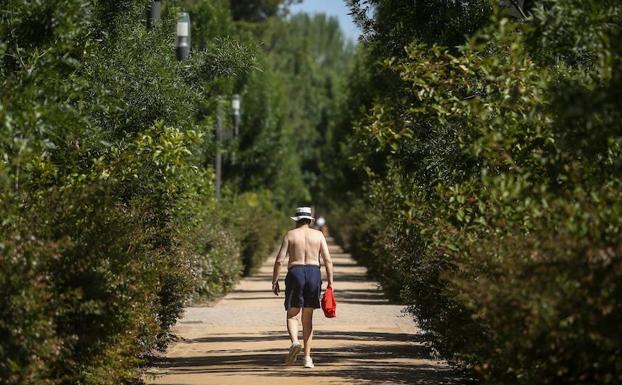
(292, 323)
(292, 328)
(307, 328)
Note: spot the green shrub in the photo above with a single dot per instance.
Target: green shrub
(364, 234)
(102, 179)
(234, 241)
(29, 341)
(496, 172)
(218, 263)
(259, 226)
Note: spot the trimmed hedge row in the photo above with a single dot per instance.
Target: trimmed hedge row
(493, 203)
(108, 222)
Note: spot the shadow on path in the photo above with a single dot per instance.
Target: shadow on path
(317, 336)
(371, 343)
(376, 358)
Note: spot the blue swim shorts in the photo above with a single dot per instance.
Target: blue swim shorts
(303, 286)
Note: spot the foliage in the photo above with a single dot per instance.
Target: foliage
(258, 10)
(364, 234)
(266, 151)
(255, 217)
(108, 221)
(236, 240)
(289, 105)
(390, 25)
(493, 179)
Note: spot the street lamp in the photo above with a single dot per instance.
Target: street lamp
(153, 13)
(183, 36)
(219, 114)
(235, 107)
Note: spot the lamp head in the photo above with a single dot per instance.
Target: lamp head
(235, 104)
(183, 36)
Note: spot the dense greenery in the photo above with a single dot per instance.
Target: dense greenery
(291, 103)
(258, 10)
(469, 154)
(109, 223)
(490, 178)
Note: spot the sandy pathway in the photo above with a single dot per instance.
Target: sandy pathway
(243, 340)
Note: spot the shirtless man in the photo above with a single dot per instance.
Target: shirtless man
(303, 282)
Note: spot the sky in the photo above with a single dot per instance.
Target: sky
(333, 8)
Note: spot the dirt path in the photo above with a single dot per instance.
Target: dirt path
(243, 340)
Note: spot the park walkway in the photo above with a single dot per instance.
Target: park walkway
(242, 339)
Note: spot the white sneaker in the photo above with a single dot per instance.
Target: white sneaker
(308, 362)
(293, 353)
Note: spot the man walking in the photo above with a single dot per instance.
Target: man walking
(303, 282)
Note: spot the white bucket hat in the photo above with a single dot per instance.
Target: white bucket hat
(302, 213)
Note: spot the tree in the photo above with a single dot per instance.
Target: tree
(289, 104)
(258, 10)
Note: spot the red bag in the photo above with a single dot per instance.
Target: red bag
(329, 305)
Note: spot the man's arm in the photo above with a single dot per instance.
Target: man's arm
(328, 262)
(277, 265)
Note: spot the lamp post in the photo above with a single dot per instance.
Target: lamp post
(218, 148)
(183, 36)
(235, 108)
(153, 13)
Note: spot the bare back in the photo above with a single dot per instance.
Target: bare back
(304, 246)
